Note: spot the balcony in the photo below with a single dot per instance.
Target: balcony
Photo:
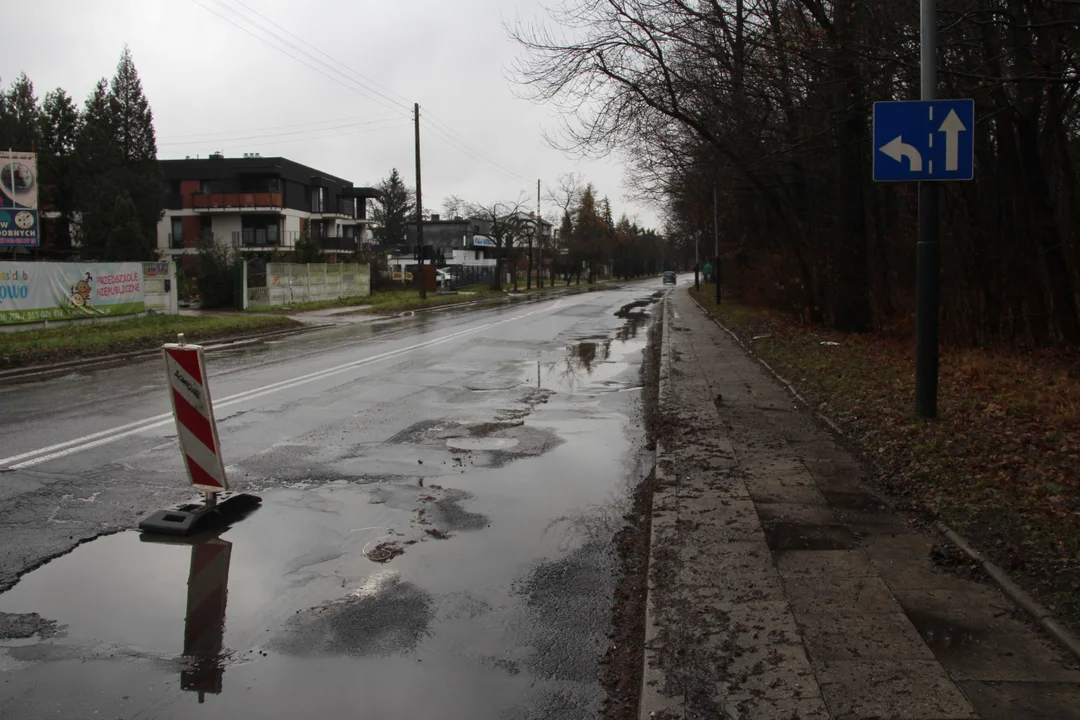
(338, 244)
(176, 240)
(236, 201)
(268, 237)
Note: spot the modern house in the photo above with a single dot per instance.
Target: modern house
(466, 241)
(258, 204)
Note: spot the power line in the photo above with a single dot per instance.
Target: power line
(299, 49)
(218, 145)
(469, 153)
(465, 149)
(287, 54)
(468, 143)
(368, 116)
(442, 130)
(392, 121)
(326, 55)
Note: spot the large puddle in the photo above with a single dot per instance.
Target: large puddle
(476, 584)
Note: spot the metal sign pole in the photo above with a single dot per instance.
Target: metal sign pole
(928, 291)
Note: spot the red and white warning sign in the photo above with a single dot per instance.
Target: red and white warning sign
(190, 394)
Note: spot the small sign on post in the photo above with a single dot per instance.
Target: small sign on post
(189, 392)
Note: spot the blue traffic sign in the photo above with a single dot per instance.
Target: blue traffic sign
(924, 140)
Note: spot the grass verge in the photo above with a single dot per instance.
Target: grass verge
(395, 301)
(1002, 463)
(315, 305)
(40, 347)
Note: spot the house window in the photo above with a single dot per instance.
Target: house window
(176, 237)
(259, 230)
(318, 199)
(204, 187)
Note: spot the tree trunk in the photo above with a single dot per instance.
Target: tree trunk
(852, 311)
(528, 273)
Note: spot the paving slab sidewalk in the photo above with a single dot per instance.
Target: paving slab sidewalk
(781, 588)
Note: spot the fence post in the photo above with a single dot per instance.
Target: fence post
(174, 291)
(244, 287)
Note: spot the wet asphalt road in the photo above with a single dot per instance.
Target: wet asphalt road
(495, 448)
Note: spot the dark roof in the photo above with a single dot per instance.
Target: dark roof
(214, 167)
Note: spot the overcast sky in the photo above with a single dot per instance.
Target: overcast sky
(213, 86)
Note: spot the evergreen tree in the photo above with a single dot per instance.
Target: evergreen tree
(19, 113)
(589, 230)
(125, 237)
(117, 164)
(133, 121)
(59, 129)
(94, 146)
(395, 207)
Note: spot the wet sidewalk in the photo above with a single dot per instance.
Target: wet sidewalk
(780, 587)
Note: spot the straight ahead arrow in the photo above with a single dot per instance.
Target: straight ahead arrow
(897, 149)
(952, 127)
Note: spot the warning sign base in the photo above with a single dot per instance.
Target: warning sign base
(197, 516)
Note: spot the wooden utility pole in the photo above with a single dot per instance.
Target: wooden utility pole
(539, 239)
(419, 208)
(716, 244)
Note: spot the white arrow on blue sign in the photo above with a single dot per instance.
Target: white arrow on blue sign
(924, 140)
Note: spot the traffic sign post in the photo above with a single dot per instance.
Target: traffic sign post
(927, 141)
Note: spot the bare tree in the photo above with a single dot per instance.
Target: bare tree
(505, 227)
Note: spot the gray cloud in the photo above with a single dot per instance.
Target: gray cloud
(214, 87)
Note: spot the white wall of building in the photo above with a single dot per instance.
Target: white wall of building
(468, 259)
(164, 227)
(292, 226)
(223, 227)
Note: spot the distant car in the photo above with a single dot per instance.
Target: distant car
(443, 279)
(669, 277)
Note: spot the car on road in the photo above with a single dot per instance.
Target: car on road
(669, 277)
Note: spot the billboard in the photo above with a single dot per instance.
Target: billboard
(19, 224)
(35, 292)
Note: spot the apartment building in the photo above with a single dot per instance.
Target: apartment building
(259, 204)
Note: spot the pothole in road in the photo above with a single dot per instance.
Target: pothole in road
(490, 384)
(482, 443)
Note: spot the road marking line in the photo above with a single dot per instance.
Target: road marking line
(93, 440)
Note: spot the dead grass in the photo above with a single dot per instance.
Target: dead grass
(1002, 463)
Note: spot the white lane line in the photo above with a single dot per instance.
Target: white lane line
(86, 442)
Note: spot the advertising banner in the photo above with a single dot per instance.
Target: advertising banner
(35, 292)
(19, 200)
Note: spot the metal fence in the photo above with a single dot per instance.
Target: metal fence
(464, 275)
(274, 284)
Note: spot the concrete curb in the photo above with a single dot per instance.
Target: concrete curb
(649, 699)
(1038, 612)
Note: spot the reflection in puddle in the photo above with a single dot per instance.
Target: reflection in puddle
(598, 360)
(204, 621)
(482, 443)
